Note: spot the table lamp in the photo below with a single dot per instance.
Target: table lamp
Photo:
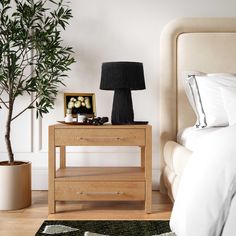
(122, 77)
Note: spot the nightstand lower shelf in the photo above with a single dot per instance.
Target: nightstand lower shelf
(100, 174)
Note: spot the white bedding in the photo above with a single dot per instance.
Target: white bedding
(207, 187)
(191, 136)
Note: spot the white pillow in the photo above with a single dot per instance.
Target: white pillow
(191, 91)
(205, 97)
(229, 100)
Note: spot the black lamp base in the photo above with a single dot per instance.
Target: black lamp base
(122, 110)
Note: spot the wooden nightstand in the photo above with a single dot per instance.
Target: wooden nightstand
(100, 183)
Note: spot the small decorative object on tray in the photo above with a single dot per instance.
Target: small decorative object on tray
(81, 118)
(96, 120)
(68, 117)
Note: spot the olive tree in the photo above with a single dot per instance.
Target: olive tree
(33, 60)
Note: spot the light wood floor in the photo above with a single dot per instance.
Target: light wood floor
(26, 222)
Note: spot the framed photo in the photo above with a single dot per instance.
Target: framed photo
(82, 103)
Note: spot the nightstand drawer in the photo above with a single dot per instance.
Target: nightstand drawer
(100, 137)
(99, 191)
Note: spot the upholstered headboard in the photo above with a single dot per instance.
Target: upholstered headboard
(191, 44)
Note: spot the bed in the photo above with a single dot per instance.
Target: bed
(190, 44)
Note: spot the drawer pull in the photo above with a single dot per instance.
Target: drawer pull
(100, 193)
(94, 139)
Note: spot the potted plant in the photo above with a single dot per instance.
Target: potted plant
(33, 62)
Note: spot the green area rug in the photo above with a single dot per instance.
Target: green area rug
(111, 228)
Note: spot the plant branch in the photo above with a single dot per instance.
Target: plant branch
(4, 86)
(26, 108)
(29, 75)
(23, 69)
(4, 103)
(1, 100)
(31, 59)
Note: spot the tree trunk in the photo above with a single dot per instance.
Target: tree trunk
(8, 133)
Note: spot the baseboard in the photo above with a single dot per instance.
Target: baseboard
(40, 179)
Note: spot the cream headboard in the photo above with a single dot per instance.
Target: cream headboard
(199, 44)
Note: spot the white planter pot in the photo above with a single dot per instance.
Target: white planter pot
(15, 186)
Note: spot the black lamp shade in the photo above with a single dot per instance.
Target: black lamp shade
(122, 75)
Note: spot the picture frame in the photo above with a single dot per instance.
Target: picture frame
(80, 103)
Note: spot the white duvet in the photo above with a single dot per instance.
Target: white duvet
(207, 187)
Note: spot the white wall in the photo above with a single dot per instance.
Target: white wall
(109, 30)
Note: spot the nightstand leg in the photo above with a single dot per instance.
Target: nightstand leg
(142, 157)
(52, 171)
(148, 170)
(148, 201)
(62, 157)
